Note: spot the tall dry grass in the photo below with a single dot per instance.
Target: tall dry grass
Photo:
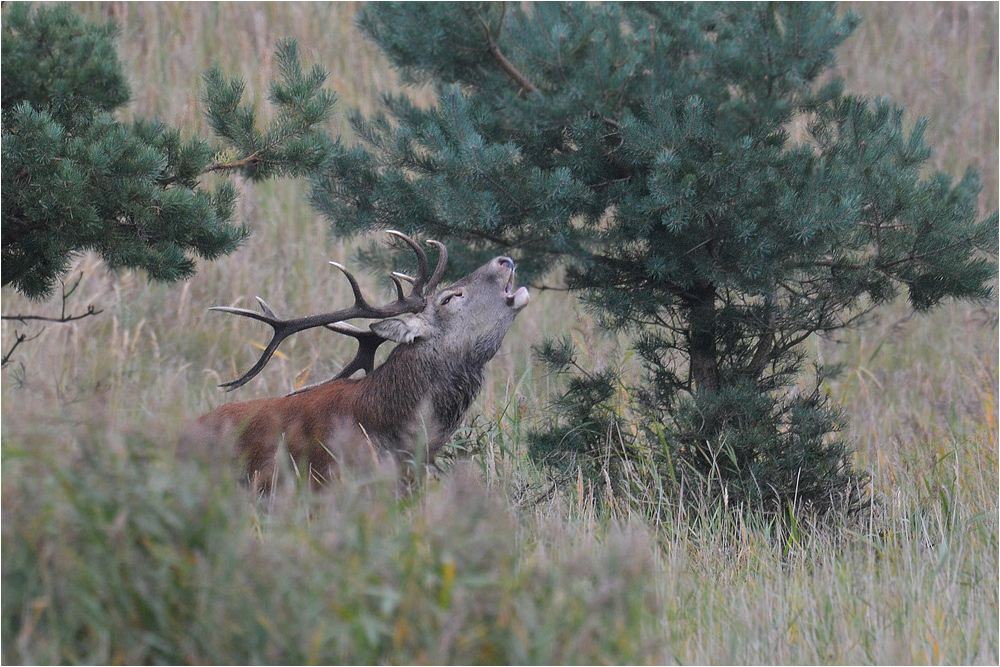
(113, 554)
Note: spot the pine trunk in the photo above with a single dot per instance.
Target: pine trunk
(702, 337)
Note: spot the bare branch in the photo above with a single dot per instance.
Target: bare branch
(62, 318)
(18, 339)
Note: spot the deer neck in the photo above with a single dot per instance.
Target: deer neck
(420, 387)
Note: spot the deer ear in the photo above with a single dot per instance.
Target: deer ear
(400, 330)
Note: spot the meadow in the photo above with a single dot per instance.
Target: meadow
(114, 553)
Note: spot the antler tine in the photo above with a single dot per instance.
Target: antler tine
(442, 265)
(368, 344)
(268, 317)
(422, 266)
(364, 359)
(421, 283)
(400, 295)
(258, 367)
(359, 298)
(403, 276)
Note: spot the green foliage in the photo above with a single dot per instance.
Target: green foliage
(585, 440)
(707, 185)
(76, 179)
(811, 469)
(294, 144)
(114, 558)
(58, 63)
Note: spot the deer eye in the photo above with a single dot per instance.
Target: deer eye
(449, 297)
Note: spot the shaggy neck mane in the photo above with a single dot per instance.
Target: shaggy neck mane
(413, 376)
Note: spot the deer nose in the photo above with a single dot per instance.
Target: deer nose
(506, 262)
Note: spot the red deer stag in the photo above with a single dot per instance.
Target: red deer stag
(418, 395)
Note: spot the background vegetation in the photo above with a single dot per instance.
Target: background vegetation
(114, 553)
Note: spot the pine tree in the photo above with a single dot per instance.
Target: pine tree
(75, 178)
(651, 150)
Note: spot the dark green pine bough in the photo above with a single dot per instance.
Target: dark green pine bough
(75, 178)
(708, 188)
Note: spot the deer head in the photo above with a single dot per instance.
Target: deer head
(471, 315)
(474, 312)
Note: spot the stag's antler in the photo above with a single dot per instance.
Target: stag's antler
(368, 341)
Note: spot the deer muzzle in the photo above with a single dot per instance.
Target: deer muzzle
(516, 300)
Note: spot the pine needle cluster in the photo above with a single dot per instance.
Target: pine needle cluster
(76, 178)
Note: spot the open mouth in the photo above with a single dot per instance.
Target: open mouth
(516, 300)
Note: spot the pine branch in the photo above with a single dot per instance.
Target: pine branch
(509, 68)
(252, 159)
(494, 50)
(19, 228)
(912, 258)
(765, 345)
(24, 319)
